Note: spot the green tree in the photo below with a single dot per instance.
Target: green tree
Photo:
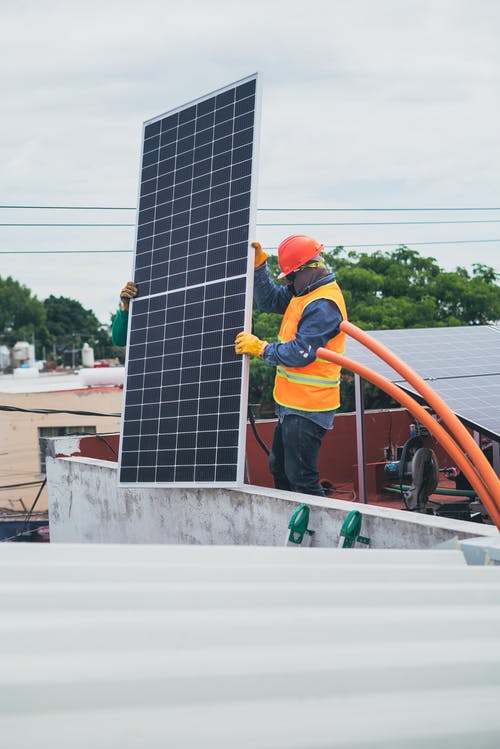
(468, 300)
(72, 325)
(22, 316)
(391, 290)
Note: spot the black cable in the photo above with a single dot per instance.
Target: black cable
(257, 436)
(55, 411)
(18, 486)
(30, 511)
(389, 438)
(103, 439)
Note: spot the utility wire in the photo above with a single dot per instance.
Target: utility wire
(380, 210)
(327, 223)
(73, 225)
(410, 244)
(283, 210)
(271, 248)
(70, 207)
(372, 223)
(58, 252)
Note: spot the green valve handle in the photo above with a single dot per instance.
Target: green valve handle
(297, 525)
(351, 528)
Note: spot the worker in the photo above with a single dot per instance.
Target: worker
(120, 322)
(306, 389)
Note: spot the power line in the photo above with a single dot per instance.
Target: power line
(314, 223)
(283, 210)
(380, 210)
(381, 223)
(59, 252)
(71, 207)
(29, 224)
(332, 246)
(411, 244)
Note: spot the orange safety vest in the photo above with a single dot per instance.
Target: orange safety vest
(315, 387)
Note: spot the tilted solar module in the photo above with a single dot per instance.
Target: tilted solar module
(185, 398)
(475, 400)
(435, 353)
(462, 364)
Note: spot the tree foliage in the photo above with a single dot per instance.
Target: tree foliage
(23, 317)
(57, 321)
(391, 290)
(72, 325)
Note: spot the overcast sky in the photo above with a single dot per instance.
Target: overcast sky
(388, 104)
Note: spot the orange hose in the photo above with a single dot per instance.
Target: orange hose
(425, 418)
(462, 436)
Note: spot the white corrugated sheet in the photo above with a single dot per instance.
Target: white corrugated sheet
(246, 647)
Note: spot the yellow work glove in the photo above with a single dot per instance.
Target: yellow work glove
(128, 292)
(260, 255)
(247, 343)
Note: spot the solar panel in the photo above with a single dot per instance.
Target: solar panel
(186, 389)
(461, 364)
(434, 353)
(475, 400)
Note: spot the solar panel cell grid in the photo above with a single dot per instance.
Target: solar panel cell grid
(461, 364)
(182, 416)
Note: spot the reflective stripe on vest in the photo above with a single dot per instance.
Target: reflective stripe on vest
(315, 387)
(307, 379)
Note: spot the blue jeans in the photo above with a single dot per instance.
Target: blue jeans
(294, 455)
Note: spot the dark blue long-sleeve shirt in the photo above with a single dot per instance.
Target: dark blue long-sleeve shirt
(319, 323)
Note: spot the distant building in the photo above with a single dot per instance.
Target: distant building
(22, 434)
(4, 357)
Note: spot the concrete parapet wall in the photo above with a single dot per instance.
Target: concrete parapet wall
(87, 505)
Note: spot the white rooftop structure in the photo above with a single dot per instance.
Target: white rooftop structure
(45, 382)
(245, 647)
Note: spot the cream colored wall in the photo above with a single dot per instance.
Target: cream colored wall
(19, 448)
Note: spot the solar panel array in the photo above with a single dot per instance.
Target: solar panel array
(185, 400)
(462, 364)
(476, 400)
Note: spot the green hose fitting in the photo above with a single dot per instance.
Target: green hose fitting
(297, 525)
(351, 528)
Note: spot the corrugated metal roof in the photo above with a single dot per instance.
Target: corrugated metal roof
(236, 647)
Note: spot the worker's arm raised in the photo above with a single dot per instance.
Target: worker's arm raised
(128, 292)
(260, 255)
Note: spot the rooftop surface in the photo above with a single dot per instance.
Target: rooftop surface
(190, 646)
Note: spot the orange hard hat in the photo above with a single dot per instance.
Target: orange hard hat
(295, 251)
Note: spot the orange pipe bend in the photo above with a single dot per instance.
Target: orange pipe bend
(453, 423)
(425, 418)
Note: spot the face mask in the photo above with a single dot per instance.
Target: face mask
(308, 275)
(290, 277)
